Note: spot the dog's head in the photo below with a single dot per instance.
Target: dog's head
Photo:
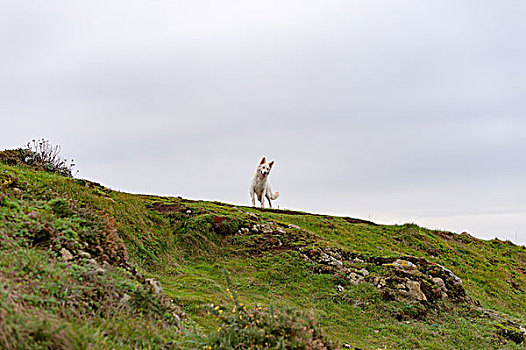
(264, 167)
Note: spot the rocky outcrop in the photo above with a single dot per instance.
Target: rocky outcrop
(404, 277)
(407, 277)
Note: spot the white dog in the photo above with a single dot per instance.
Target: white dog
(260, 186)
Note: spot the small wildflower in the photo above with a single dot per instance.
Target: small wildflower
(217, 307)
(219, 329)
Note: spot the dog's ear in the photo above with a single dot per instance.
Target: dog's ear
(271, 164)
(262, 161)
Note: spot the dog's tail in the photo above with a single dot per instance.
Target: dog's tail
(275, 195)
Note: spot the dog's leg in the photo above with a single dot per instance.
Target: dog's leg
(253, 198)
(262, 200)
(269, 202)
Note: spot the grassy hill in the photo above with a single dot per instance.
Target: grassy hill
(83, 266)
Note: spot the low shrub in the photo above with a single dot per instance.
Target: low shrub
(244, 327)
(41, 155)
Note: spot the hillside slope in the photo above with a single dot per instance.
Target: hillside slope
(82, 264)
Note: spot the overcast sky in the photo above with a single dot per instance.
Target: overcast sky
(394, 111)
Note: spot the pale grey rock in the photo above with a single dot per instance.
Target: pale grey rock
(363, 272)
(66, 254)
(243, 231)
(156, 286)
(280, 230)
(92, 262)
(404, 265)
(413, 288)
(355, 278)
(84, 255)
(266, 229)
(456, 279)
(177, 321)
(440, 283)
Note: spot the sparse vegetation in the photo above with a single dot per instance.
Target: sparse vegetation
(41, 155)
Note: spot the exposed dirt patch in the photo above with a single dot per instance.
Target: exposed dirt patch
(446, 235)
(269, 242)
(359, 221)
(165, 208)
(224, 225)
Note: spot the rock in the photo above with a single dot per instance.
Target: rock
(156, 286)
(355, 278)
(336, 255)
(364, 272)
(84, 255)
(414, 290)
(280, 230)
(329, 260)
(263, 228)
(455, 278)
(252, 215)
(177, 321)
(243, 231)
(92, 262)
(406, 267)
(188, 211)
(34, 215)
(294, 226)
(66, 254)
(403, 265)
(266, 229)
(340, 289)
(440, 283)
(99, 271)
(380, 282)
(125, 299)
(17, 191)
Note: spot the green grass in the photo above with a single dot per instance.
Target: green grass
(189, 246)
